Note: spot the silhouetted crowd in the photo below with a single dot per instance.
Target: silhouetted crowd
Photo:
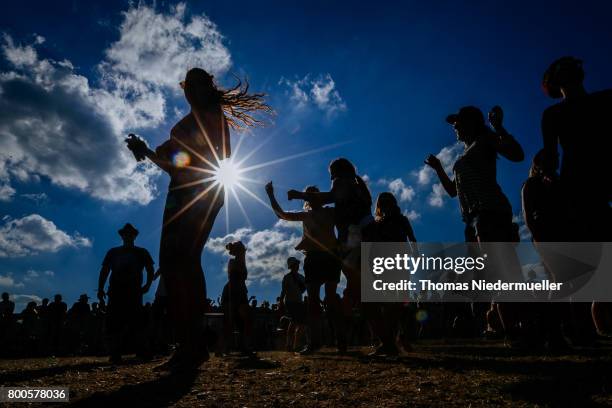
(566, 198)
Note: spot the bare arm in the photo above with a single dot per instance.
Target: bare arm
(163, 164)
(280, 213)
(323, 197)
(448, 184)
(150, 278)
(503, 142)
(104, 272)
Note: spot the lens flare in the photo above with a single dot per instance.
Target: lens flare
(181, 159)
(422, 316)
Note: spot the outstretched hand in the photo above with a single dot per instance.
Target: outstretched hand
(433, 162)
(137, 146)
(496, 117)
(293, 194)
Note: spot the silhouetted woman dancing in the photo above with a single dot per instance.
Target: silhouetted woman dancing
(197, 144)
(353, 214)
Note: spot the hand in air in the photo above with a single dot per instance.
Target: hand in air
(269, 189)
(496, 117)
(433, 162)
(137, 146)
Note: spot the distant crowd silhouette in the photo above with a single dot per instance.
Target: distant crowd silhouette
(570, 205)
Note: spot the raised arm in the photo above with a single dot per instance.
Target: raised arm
(141, 151)
(503, 142)
(280, 213)
(448, 184)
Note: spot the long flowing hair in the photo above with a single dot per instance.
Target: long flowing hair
(239, 106)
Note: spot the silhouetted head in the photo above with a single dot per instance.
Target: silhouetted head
(57, 298)
(5, 296)
(342, 168)
(83, 298)
(293, 264)
(537, 164)
(468, 123)
(312, 203)
(386, 205)
(45, 302)
(200, 90)
(236, 248)
(31, 306)
(563, 77)
(128, 234)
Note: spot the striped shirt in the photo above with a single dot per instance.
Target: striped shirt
(476, 180)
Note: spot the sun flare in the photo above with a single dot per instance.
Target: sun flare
(227, 174)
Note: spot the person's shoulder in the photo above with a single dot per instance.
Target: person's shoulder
(142, 250)
(113, 250)
(554, 110)
(186, 122)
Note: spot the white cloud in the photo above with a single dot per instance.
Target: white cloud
(436, 197)
(33, 234)
(524, 232)
(36, 197)
(400, 189)
(55, 123)
(32, 274)
(267, 250)
(320, 92)
(22, 300)
(158, 48)
(448, 155)
(7, 281)
(412, 215)
(288, 224)
(6, 192)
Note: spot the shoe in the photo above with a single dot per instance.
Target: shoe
(385, 350)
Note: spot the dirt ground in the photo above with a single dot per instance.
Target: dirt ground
(434, 374)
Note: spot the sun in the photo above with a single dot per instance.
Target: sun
(227, 174)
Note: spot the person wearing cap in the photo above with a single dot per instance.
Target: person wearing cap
(125, 265)
(580, 124)
(292, 289)
(485, 209)
(198, 144)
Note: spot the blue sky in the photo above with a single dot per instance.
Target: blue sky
(77, 76)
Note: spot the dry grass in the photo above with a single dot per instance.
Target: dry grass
(434, 374)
